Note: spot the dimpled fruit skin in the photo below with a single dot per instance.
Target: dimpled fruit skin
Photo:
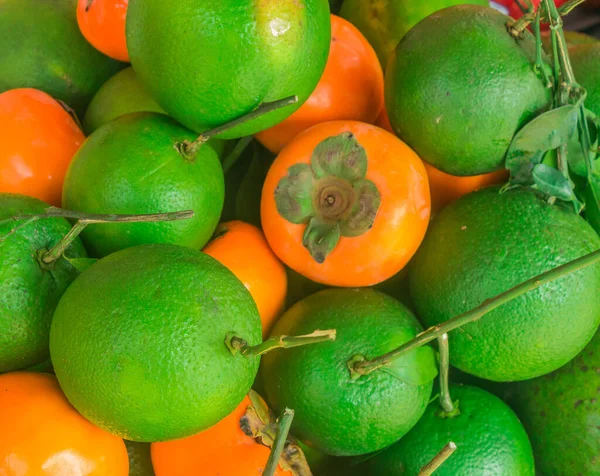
(41, 47)
(561, 414)
(121, 94)
(489, 437)
(462, 121)
(28, 293)
(131, 165)
(484, 244)
(138, 342)
(334, 413)
(586, 66)
(211, 61)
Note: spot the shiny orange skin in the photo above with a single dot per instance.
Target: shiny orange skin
(243, 249)
(102, 23)
(222, 450)
(38, 139)
(43, 435)
(446, 188)
(399, 226)
(351, 88)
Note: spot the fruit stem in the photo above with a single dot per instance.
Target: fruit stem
(189, 149)
(540, 65)
(237, 344)
(569, 7)
(285, 421)
(438, 459)
(444, 348)
(365, 367)
(235, 154)
(85, 219)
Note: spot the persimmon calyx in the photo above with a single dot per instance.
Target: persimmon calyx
(331, 195)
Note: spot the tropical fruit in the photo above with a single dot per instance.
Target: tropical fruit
(560, 412)
(29, 288)
(471, 103)
(346, 204)
(489, 437)
(238, 55)
(121, 94)
(138, 342)
(102, 22)
(586, 66)
(334, 412)
(41, 47)
(487, 242)
(138, 164)
(385, 22)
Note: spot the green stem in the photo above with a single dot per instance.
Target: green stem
(189, 149)
(237, 344)
(445, 399)
(365, 367)
(285, 422)
(569, 7)
(540, 65)
(57, 250)
(438, 459)
(235, 154)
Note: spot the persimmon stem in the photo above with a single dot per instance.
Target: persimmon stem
(445, 399)
(438, 459)
(364, 367)
(191, 148)
(285, 422)
(237, 344)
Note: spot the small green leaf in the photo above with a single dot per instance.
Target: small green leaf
(552, 182)
(418, 367)
(341, 156)
(80, 264)
(546, 132)
(364, 211)
(293, 195)
(576, 156)
(320, 238)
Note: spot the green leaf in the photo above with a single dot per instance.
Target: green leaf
(546, 132)
(576, 156)
(552, 182)
(340, 156)
(293, 195)
(418, 367)
(320, 238)
(80, 264)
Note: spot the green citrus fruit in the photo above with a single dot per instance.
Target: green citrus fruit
(133, 165)
(561, 414)
(385, 22)
(484, 244)
(140, 462)
(472, 98)
(489, 438)
(335, 413)
(586, 66)
(41, 47)
(121, 94)
(210, 62)
(29, 288)
(138, 342)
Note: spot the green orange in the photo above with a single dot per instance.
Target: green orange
(41, 47)
(471, 99)
(484, 244)
(29, 288)
(138, 342)
(489, 437)
(210, 62)
(136, 164)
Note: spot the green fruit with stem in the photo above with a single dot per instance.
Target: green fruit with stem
(237, 55)
(42, 47)
(472, 104)
(385, 22)
(336, 413)
(155, 342)
(485, 243)
(488, 436)
(29, 287)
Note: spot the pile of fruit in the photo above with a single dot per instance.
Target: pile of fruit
(295, 237)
